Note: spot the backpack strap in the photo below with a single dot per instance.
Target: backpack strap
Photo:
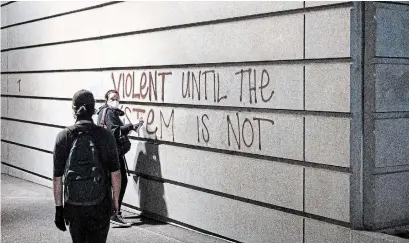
(104, 112)
(72, 130)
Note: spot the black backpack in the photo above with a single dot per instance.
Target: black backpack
(85, 180)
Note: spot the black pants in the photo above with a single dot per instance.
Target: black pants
(124, 179)
(88, 224)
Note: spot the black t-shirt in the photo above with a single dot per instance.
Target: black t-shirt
(105, 140)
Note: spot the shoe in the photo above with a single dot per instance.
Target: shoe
(119, 220)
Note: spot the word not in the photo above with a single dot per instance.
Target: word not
(245, 131)
(147, 86)
(264, 83)
(193, 84)
(150, 120)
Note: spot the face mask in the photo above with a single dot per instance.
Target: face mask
(114, 104)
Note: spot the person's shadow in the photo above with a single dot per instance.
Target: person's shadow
(148, 172)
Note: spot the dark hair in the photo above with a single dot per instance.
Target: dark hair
(84, 112)
(110, 92)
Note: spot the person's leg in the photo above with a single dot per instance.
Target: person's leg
(117, 218)
(98, 229)
(98, 235)
(77, 233)
(124, 181)
(75, 224)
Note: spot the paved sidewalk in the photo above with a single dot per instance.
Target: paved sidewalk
(27, 215)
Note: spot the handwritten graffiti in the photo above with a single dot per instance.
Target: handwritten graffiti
(151, 120)
(245, 131)
(147, 86)
(19, 85)
(192, 82)
(202, 127)
(252, 84)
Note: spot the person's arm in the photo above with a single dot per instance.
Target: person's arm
(115, 125)
(57, 188)
(116, 188)
(60, 157)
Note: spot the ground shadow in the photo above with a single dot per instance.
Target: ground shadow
(143, 220)
(147, 184)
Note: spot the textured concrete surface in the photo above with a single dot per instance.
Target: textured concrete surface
(392, 39)
(327, 140)
(27, 215)
(392, 87)
(327, 193)
(327, 33)
(231, 218)
(327, 87)
(392, 199)
(276, 183)
(320, 232)
(373, 237)
(392, 142)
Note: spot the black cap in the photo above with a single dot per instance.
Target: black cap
(82, 97)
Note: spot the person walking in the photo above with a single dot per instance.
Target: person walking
(87, 179)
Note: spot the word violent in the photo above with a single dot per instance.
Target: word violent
(146, 85)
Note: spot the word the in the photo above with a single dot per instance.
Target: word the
(252, 87)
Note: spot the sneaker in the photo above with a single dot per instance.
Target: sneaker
(119, 220)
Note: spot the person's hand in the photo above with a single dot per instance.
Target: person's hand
(115, 207)
(129, 127)
(137, 126)
(59, 218)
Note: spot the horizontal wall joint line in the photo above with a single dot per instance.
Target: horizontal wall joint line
(245, 200)
(8, 3)
(184, 26)
(194, 65)
(391, 3)
(390, 60)
(206, 107)
(162, 218)
(27, 146)
(33, 122)
(249, 155)
(391, 169)
(215, 150)
(391, 115)
(61, 14)
(24, 170)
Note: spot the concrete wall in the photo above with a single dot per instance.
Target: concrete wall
(387, 115)
(264, 164)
